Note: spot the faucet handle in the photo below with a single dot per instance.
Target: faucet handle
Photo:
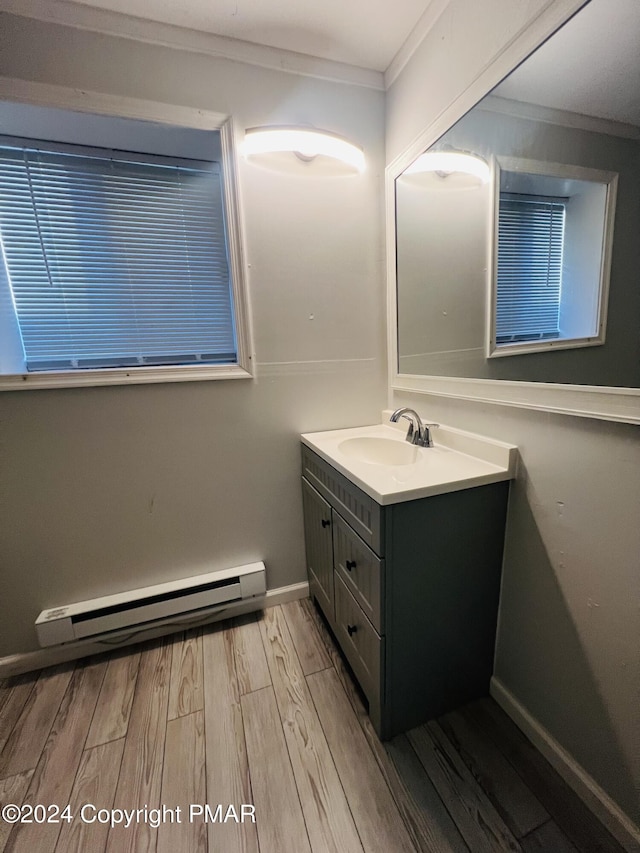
(427, 441)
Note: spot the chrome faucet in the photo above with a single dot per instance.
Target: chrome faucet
(418, 433)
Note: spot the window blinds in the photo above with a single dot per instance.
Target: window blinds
(530, 241)
(115, 259)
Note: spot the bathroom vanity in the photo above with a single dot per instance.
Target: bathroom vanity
(404, 553)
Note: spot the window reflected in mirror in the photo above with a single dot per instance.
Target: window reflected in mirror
(551, 250)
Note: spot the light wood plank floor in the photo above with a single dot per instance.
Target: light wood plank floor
(261, 716)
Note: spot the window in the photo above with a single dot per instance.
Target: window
(115, 262)
(552, 257)
(530, 243)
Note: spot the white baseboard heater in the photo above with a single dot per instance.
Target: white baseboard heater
(150, 607)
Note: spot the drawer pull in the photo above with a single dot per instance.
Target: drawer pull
(351, 630)
(350, 564)
(326, 522)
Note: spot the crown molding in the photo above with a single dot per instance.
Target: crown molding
(71, 14)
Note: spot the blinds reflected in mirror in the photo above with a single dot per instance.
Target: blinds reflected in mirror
(529, 280)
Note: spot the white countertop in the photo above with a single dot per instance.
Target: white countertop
(458, 460)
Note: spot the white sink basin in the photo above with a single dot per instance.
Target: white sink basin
(379, 461)
(380, 451)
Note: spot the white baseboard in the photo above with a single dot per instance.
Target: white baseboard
(598, 801)
(29, 661)
(283, 594)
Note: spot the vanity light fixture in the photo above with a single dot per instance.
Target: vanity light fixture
(446, 163)
(306, 143)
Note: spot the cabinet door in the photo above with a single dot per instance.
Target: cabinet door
(319, 547)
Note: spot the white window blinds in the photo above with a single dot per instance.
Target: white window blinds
(530, 241)
(115, 259)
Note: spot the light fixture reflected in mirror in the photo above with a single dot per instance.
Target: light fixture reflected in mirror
(468, 169)
(321, 152)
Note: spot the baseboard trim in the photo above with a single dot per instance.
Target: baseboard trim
(29, 661)
(284, 594)
(617, 822)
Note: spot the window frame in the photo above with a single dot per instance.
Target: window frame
(109, 106)
(568, 173)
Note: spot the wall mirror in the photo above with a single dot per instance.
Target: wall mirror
(523, 267)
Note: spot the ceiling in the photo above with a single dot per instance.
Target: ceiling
(365, 33)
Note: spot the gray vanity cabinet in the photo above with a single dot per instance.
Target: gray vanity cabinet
(410, 590)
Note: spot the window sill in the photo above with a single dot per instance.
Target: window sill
(120, 376)
(524, 347)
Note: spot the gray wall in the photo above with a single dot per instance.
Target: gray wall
(441, 269)
(569, 615)
(104, 489)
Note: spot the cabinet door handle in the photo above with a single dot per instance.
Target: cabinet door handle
(351, 630)
(350, 564)
(326, 522)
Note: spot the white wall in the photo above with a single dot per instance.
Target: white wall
(570, 617)
(110, 488)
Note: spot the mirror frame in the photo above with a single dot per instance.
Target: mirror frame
(589, 401)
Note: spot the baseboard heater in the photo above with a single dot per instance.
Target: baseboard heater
(140, 609)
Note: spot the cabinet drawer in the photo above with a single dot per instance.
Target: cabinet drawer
(360, 569)
(359, 641)
(361, 511)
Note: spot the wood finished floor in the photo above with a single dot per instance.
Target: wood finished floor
(263, 711)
